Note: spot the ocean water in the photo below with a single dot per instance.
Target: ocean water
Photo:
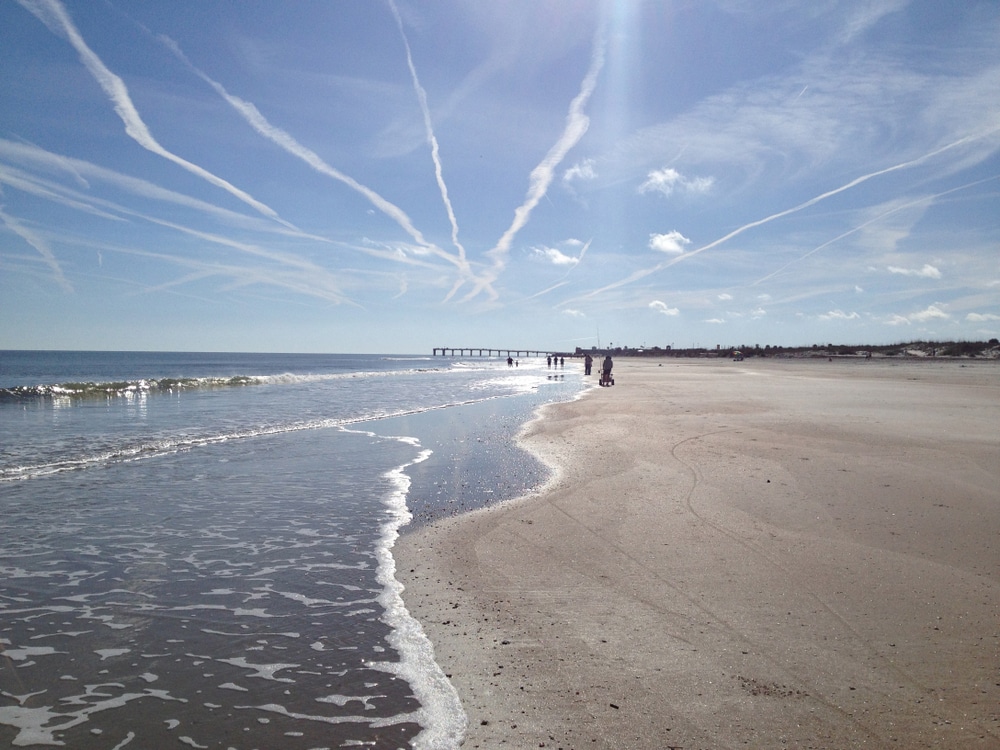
(196, 549)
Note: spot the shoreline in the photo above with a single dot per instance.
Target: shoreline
(732, 554)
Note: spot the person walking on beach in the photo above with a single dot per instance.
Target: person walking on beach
(588, 364)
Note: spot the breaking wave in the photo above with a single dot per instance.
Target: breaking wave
(122, 387)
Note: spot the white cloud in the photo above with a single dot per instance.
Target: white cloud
(981, 317)
(672, 242)
(554, 256)
(927, 272)
(700, 184)
(725, 296)
(574, 313)
(584, 170)
(667, 180)
(715, 320)
(662, 307)
(764, 297)
(858, 290)
(931, 312)
(839, 315)
(760, 312)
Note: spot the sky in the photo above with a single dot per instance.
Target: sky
(394, 176)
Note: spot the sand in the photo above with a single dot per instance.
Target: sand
(763, 554)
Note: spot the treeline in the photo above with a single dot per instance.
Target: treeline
(969, 349)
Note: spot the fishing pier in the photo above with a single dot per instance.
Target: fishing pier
(475, 351)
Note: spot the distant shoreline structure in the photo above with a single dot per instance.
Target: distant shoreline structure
(460, 351)
(907, 350)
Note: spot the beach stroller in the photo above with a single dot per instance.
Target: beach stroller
(606, 378)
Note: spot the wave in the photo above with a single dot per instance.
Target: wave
(165, 445)
(121, 388)
(148, 386)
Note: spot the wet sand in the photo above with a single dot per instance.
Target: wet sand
(758, 554)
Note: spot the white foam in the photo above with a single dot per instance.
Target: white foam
(108, 653)
(390, 721)
(20, 654)
(343, 700)
(440, 715)
(264, 671)
(37, 726)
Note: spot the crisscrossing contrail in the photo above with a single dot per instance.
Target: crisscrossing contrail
(286, 141)
(54, 16)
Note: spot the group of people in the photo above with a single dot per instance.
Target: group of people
(588, 366)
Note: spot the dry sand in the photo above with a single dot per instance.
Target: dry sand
(762, 554)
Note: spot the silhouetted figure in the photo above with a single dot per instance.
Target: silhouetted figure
(588, 364)
(549, 361)
(606, 378)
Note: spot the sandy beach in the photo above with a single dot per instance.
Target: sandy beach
(762, 554)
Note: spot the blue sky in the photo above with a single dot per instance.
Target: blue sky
(396, 176)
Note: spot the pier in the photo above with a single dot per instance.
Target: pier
(476, 351)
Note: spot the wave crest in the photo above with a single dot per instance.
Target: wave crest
(122, 387)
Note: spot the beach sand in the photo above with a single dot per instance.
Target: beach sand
(764, 554)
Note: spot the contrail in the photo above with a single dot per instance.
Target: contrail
(26, 183)
(40, 245)
(872, 221)
(431, 138)
(541, 177)
(240, 276)
(309, 272)
(811, 202)
(55, 17)
(545, 291)
(286, 141)
(83, 170)
(106, 209)
(311, 279)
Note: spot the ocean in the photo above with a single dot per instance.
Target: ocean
(197, 548)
